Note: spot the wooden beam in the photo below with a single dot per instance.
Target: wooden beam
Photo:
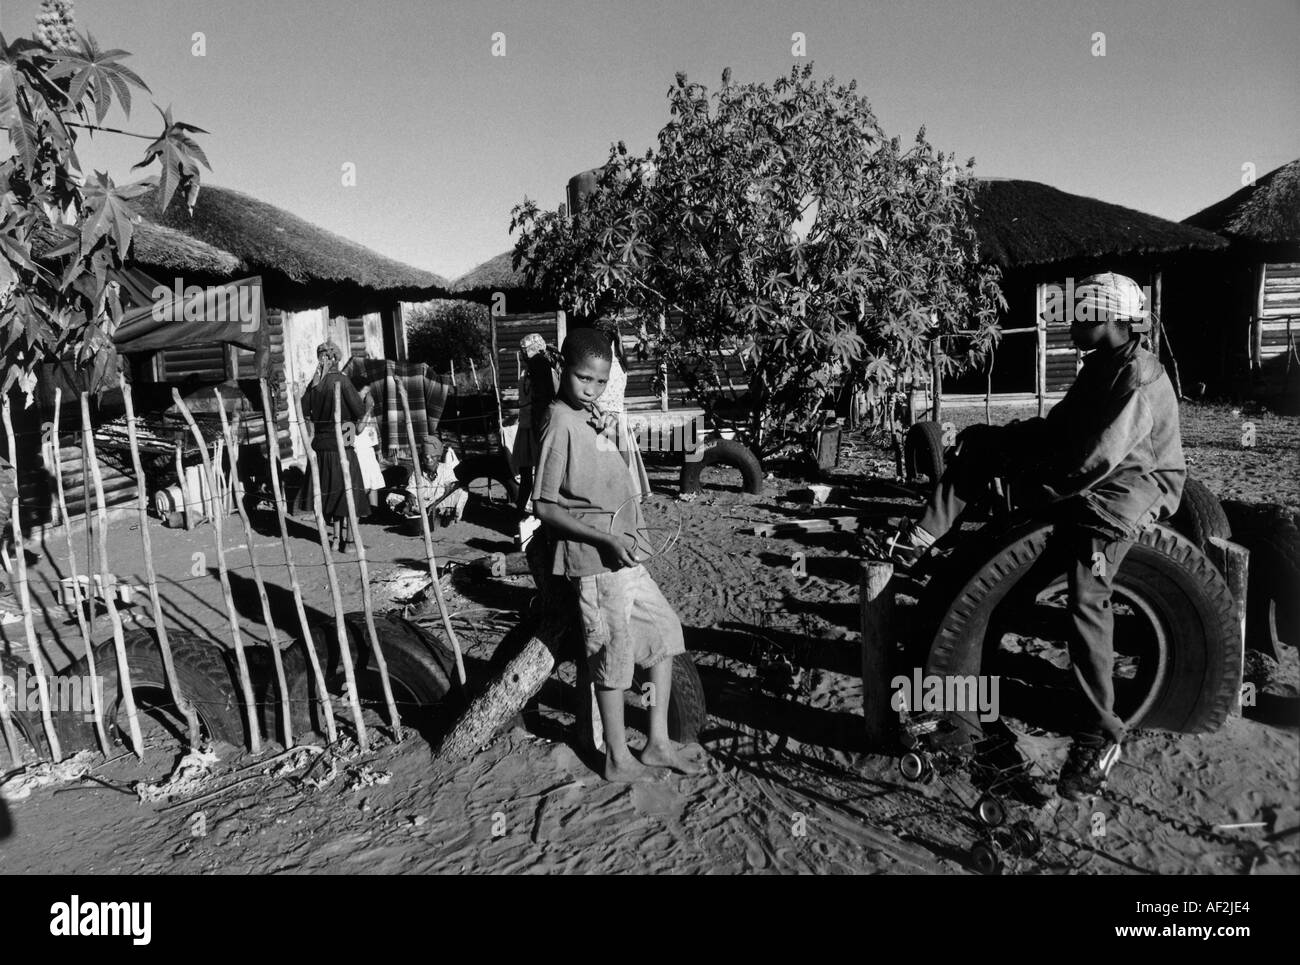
(877, 612)
(1040, 327)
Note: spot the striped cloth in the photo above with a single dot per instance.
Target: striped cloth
(426, 396)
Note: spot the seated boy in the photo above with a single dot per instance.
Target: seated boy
(1107, 463)
(583, 496)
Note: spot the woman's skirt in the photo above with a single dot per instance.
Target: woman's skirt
(333, 496)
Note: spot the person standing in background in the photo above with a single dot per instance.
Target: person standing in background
(613, 407)
(318, 411)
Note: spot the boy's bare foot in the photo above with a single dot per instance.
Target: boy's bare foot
(672, 755)
(627, 771)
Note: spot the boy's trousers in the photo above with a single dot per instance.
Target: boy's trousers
(1091, 561)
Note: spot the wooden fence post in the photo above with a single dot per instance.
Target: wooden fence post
(106, 590)
(86, 636)
(355, 524)
(430, 559)
(160, 627)
(232, 446)
(24, 596)
(877, 610)
(313, 660)
(232, 615)
(340, 628)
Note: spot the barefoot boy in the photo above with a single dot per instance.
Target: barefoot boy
(583, 495)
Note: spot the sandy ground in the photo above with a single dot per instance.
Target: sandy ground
(790, 786)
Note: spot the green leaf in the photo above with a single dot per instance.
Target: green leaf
(97, 73)
(177, 153)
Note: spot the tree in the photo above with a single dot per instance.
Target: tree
(62, 233)
(442, 331)
(779, 223)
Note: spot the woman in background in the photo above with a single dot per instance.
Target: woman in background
(318, 411)
(614, 408)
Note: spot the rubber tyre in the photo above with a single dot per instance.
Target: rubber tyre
(1163, 569)
(27, 722)
(725, 452)
(491, 466)
(421, 670)
(923, 452)
(687, 713)
(1269, 531)
(203, 671)
(1200, 515)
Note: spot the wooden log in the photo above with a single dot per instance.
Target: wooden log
(367, 605)
(24, 596)
(273, 463)
(160, 624)
(429, 557)
(521, 678)
(82, 624)
(282, 687)
(1233, 561)
(119, 638)
(877, 606)
(340, 630)
(223, 573)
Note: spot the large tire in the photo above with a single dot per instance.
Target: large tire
(1189, 669)
(726, 452)
(26, 722)
(203, 672)
(1200, 515)
(492, 466)
(1272, 606)
(421, 670)
(923, 452)
(687, 713)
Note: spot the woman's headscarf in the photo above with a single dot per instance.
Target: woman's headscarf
(328, 356)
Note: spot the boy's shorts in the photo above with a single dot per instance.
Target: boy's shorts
(626, 622)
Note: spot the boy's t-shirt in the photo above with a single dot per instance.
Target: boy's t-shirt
(588, 478)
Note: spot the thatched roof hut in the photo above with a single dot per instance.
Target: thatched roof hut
(1266, 212)
(1024, 223)
(298, 261)
(1250, 295)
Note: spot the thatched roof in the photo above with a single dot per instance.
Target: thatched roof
(1025, 223)
(173, 252)
(270, 241)
(1267, 211)
(495, 273)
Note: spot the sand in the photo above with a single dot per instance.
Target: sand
(790, 785)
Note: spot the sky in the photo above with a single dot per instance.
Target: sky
(446, 138)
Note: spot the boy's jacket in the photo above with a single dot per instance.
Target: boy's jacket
(1114, 441)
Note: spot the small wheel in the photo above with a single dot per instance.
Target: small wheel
(1025, 838)
(914, 767)
(985, 859)
(991, 811)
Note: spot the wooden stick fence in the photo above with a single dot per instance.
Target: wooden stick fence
(428, 536)
(160, 625)
(232, 446)
(106, 590)
(273, 455)
(345, 651)
(354, 524)
(24, 598)
(82, 624)
(245, 683)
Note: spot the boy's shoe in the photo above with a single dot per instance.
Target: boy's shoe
(1087, 767)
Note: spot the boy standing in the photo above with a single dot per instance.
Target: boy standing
(583, 496)
(1108, 460)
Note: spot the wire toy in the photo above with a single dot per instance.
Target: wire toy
(667, 534)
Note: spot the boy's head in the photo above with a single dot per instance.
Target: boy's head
(587, 358)
(1105, 310)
